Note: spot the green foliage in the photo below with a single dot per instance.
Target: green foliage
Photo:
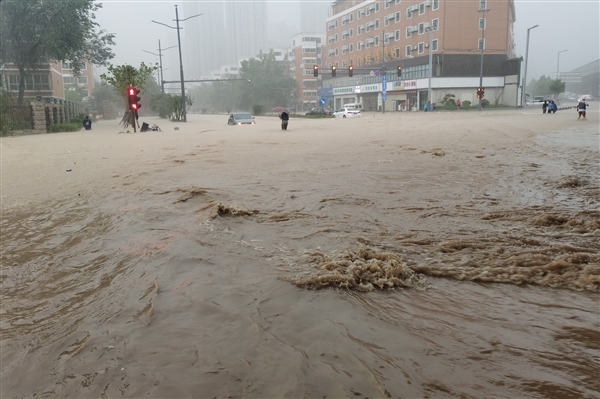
(33, 32)
(104, 93)
(448, 101)
(540, 87)
(65, 127)
(264, 81)
(169, 106)
(465, 104)
(557, 86)
(258, 109)
(121, 76)
(78, 119)
(74, 93)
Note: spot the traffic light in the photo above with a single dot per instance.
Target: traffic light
(399, 71)
(480, 92)
(316, 71)
(350, 71)
(133, 98)
(333, 71)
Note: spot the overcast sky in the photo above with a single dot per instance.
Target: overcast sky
(571, 25)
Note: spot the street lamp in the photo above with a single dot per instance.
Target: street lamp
(525, 71)
(159, 55)
(482, 10)
(184, 113)
(558, 62)
(429, 91)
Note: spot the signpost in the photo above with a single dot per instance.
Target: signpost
(383, 91)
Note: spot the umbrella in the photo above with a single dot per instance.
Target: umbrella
(280, 109)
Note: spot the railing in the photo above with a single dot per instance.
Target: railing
(16, 117)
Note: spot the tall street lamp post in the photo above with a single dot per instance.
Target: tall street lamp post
(483, 26)
(429, 91)
(525, 71)
(159, 55)
(184, 113)
(383, 73)
(558, 63)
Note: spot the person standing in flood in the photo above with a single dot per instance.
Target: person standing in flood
(87, 123)
(544, 107)
(285, 117)
(581, 107)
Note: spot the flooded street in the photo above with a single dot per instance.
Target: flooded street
(423, 258)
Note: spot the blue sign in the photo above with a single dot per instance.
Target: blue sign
(323, 101)
(326, 92)
(383, 87)
(383, 97)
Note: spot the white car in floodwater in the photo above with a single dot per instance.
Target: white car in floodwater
(346, 112)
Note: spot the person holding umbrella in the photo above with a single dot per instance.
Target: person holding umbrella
(284, 116)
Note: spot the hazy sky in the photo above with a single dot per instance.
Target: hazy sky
(571, 25)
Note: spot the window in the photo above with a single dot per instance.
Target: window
(482, 4)
(336, 24)
(377, 23)
(351, 32)
(85, 93)
(397, 52)
(336, 51)
(309, 83)
(434, 45)
(309, 50)
(359, 14)
(309, 60)
(387, 3)
(66, 65)
(377, 7)
(35, 82)
(398, 1)
(421, 48)
(397, 35)
(351, 47)
(421, 8)
(408, 51)
(481, 44)
(69, 80)
(83, 80)
(344, 64)
(436, 4)
(397, 16)
(336, 37)
(309, 93)
(408, 31)
(359, 45)
(481, 23)
(351, 17)
(435, 24)
(421, 28)
(408, 13)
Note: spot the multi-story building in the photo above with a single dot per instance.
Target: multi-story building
(313, 15)
(225, 33)
(50, 80)
(377, 35)
(306, 53)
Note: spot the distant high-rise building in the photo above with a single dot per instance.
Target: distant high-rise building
(225, 33)
(313, 15)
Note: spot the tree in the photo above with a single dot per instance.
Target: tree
(33, 32)
(120, 77)
(557, 87)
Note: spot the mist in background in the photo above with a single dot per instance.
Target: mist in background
(563, 25)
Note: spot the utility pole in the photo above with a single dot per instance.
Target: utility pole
(482, 10)
(177, 20)
(159, 55)
(523, 104)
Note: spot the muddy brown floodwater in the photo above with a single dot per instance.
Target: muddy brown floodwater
(405, 255)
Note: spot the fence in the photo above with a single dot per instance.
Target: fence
(16, 117)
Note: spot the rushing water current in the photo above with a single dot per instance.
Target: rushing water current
(354, 279)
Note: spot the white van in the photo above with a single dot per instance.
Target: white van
(358, 106)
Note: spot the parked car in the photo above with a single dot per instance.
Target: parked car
(346, 112)
(241, 118)
(318, 111)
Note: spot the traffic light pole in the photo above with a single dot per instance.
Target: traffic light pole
(483, 10)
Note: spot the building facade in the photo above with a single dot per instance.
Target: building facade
(376, 37)
(306, 53)
(50, 80)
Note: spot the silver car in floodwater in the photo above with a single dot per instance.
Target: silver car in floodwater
(241, 118)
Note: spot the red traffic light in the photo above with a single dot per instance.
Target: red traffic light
(133, 98)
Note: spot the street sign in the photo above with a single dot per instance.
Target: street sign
(383, 97)
(372, 73)
(322, 100)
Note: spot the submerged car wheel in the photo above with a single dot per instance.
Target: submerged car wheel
(344, 116)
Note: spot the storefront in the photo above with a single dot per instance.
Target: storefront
(401, 99)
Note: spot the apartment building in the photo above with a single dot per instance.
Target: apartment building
(377, 35)
(306, 53)
(50, 80)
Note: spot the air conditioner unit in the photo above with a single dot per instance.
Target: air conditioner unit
(426, 45)
(426, 25)
(427, 3)
(414, 7)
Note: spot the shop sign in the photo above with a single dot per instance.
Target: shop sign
(343, 90)
(357, 89)
(410, 84)
(368, 88)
